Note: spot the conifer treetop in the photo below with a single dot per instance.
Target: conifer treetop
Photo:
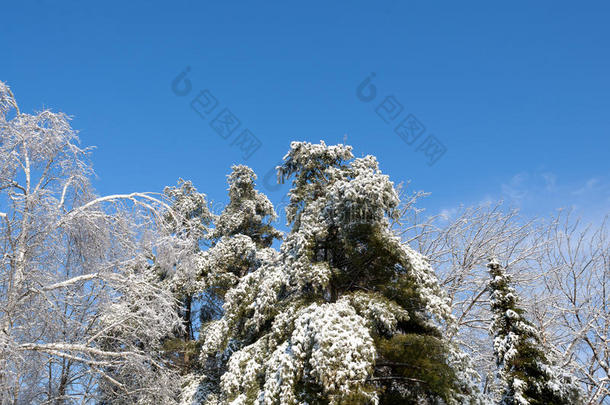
(527, 375)
(345, 312)
(249, 211)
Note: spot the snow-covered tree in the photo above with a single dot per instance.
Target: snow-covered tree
(346, 312)
(243, 229)
(70, 266)
(575, 271)
(559, 265)
(459, 243)
(525, 369)
(188, 220)
(249, 211)
(242, 235)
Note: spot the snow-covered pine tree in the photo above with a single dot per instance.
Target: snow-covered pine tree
(526, 374)
(243, 230)
(240, 240)
(249, 211)
(201, 278)
(189, 219)
(346, 313)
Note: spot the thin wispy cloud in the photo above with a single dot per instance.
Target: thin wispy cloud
(544, 192)
(541, 193)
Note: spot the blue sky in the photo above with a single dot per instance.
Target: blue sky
(517, 93)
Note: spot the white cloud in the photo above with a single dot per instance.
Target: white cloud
(590, 185)
(542, 193)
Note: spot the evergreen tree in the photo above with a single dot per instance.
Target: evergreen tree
(526, 373)
(240, 241)
(248, 213)
(345, 313)
(243, 230)
(188, 222)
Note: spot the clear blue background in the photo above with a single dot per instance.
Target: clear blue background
(518, 92)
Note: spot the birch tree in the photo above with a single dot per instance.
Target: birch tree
(576, 269)
(70, 266)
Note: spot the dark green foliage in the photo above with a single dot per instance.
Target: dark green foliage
(525, 371)
(420, 362)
